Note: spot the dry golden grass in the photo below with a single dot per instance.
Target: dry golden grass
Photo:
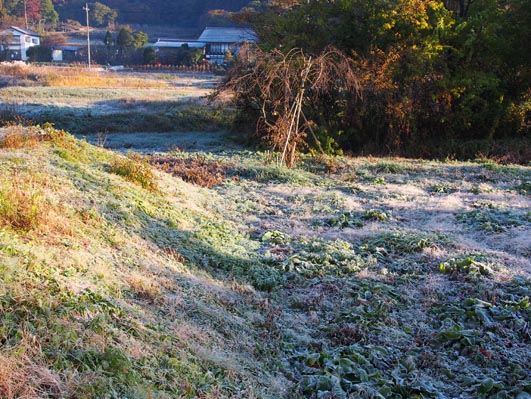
(144, 287)
(18, 136)
(77, 76)
(21, 378)
(22, 205)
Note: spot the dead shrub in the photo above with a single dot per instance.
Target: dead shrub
(197, 170)
(286, 87)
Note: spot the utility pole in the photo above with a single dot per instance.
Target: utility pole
(86, 8)
(26, 12)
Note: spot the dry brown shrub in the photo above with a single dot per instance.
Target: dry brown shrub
(329, 163)
(284, 86)
(21, 378)
(197, 170)
(18, 136)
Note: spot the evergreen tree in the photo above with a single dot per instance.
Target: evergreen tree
(108, 40)
(150, 56)
(48, 12)
(124, 38)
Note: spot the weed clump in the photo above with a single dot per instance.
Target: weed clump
(388, 167)
(18, 136)
(136, 169)
(197, 170)
(405, 242)
(467, 266)
(22, 205)
(325, 258)
(441, 188)
(492, 220)
(356, 219)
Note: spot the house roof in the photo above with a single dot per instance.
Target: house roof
(66, 48)
(228, 35)
(25, 31)
(176, 43)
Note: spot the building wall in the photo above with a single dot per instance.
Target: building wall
(26, 42)
(19, 44)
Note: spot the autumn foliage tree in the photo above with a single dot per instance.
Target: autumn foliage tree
(432, 75)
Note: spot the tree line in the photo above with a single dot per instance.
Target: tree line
(432, 77)
(183, 13)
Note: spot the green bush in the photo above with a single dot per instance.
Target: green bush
(136, 169)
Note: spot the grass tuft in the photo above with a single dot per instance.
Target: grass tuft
(135, 168)
(22, 206)
(19, 378)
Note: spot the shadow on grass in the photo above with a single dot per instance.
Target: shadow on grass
(134, 116)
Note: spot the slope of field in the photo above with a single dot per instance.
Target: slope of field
(99, 102)
(369, 278)
(109, 287)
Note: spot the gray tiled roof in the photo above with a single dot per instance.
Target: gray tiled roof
(25, 31)
(227, 35)
(176, 43)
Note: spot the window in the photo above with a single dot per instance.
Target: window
(28, 39)
(34, 41)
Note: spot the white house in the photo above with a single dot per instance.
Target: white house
(219, 39)
(16, 42)
(214, 40)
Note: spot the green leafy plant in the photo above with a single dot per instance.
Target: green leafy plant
(401, 242)
(377, 215)
(275, 237)
(470, 265)
(356, 219)
(491, 220)
(441, 189)
(525, 188)
(321, 258)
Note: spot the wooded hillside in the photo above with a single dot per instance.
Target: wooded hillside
(185, 13)
(434, 78)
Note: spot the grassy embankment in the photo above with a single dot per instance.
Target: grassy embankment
(109, 281)
(373, 278)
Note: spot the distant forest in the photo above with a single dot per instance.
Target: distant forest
(186, 13)
(183, 13)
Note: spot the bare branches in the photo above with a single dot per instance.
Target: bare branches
(282, 85)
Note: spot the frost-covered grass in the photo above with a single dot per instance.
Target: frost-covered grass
(398, 278)
(91, 102)
(343, 277)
